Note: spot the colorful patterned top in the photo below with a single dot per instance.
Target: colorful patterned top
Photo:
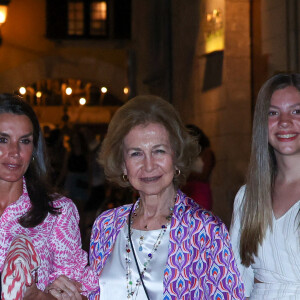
(56, 240)
(200, 262)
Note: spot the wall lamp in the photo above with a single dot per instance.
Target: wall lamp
(3, 14)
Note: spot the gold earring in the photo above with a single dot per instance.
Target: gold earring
(124, 177)
(177, 172)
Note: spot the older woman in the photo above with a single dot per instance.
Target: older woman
(164, 246)
(28, 207)
(265, 229)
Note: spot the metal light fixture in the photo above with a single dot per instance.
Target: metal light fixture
(3, 14)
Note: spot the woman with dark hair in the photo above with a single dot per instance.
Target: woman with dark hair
(165, 246)
(198, 182)
(265, 227)
(29, 207)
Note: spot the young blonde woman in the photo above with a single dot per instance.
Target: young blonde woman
(265, 228)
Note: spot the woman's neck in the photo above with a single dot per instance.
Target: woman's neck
(286, 189)
(153, 205)
(154, 211)
(10, 192)
(288, 168)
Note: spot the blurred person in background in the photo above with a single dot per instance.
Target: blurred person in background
(198, 183)
(76, 172)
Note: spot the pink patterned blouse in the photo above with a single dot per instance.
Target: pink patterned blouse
(57, 241)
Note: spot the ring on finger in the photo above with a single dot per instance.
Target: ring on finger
(60, 291)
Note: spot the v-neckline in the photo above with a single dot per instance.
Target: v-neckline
(286, 213)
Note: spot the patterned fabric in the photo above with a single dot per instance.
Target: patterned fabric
(200, 262)
(56, 240)
(19, 270)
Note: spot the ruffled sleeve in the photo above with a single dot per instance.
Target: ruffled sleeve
(68, 258)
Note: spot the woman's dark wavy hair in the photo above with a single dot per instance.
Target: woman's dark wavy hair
(40, 194)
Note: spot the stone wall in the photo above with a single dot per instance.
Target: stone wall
(281, 39)
(223, 112)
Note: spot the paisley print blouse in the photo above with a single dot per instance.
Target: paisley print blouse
(200, 261)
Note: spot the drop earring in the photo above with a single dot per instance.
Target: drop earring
(124, 177)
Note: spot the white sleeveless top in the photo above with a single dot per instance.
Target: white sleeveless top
(277, 264)
(113, 280)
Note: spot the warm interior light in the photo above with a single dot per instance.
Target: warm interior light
(38, 94)
(103, 90)
(22, 90)
(99, 10)
(3, 13)
(126, 90)
(82, 101)
(214, 32)
(208, 17)
(68, 91)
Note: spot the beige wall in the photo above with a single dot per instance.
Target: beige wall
(224, 112)
(281, 39)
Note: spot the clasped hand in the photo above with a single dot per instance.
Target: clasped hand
(62, 288)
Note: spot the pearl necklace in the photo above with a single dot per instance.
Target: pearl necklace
(131, 288)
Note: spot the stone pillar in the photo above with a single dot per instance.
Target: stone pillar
(232, 134)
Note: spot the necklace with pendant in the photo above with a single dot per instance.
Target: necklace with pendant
(142, 237)
(168, 218)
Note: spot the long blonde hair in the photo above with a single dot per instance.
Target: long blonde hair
(257, 202)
